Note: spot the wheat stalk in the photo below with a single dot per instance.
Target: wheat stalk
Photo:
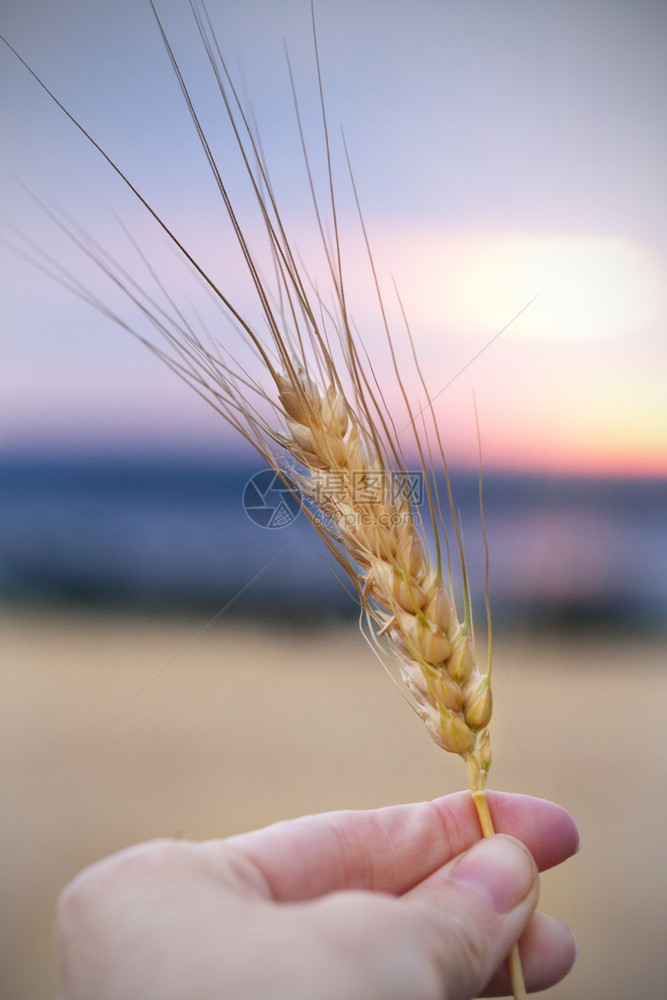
(327, 413)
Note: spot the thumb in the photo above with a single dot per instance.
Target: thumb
(477, 907)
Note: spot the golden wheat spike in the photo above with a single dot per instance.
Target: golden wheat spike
(378, 532)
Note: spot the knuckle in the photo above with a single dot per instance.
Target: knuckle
(92, 888)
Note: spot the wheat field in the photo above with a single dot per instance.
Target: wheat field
(246, 727)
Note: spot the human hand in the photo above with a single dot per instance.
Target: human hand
(402, 903)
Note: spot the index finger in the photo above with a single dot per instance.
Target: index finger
(393, 849)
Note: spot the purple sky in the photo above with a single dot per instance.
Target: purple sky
(499, 149)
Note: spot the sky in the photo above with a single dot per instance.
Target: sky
(510, 161)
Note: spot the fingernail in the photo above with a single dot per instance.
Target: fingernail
(500, 869)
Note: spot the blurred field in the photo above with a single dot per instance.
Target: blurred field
(245, 727)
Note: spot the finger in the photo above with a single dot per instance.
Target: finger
(392, 849)
(548, 952)
(448, 938)
(548, 949)
(483, 901)
(547, 830)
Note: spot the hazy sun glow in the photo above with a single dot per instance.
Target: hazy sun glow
(567, 385)
(587, 287)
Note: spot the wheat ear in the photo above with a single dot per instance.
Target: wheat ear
(334, 422)
(390, 567)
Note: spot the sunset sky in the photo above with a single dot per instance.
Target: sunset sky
(504, 152)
